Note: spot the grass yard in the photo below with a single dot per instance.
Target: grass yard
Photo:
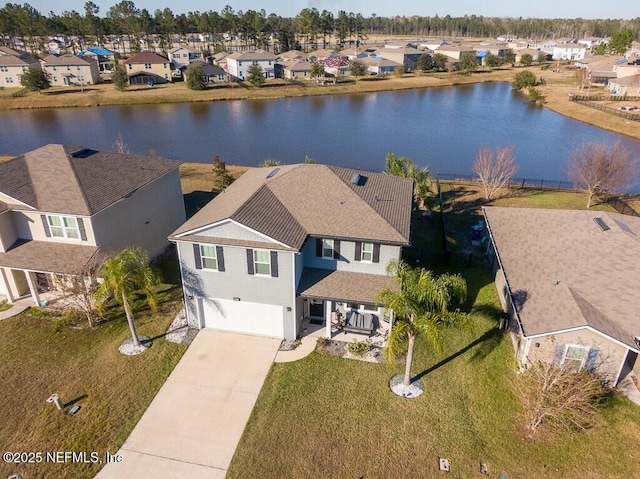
(325, 416)
(84, 366)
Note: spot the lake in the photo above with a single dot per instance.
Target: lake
(438, 127)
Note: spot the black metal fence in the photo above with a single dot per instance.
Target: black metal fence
(515, 183)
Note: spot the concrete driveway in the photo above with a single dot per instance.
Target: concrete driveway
(192, 427)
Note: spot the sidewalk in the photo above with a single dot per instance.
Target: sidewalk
(16, 308)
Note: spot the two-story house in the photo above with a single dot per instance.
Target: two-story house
(182, 56)
(568, 51)
(299, 241)
(70, 69)
(238, 64)
(59, 205)
(106, 58)
(148, 67)
(13, 63)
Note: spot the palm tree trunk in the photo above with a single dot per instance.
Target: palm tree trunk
(132, 325)
(407, 370)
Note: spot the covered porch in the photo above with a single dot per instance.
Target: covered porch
(341, 305)
(28, 268)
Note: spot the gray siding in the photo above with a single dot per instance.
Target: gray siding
(347, 258)
(237, 282)
(231, 230)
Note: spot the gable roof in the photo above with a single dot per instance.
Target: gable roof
(569, 271)
(317, 200)
(146, 57)
(72, 180)
(250, 55)
(66, 59)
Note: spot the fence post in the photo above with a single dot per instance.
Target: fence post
(522, 187)
(541, 183)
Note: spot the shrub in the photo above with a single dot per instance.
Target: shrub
(359, 348)
(524, 79)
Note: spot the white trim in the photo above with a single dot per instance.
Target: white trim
(186, 301)
(33, 208)
(229, 220)
(362, 251)
(624, 361)
(579, 346)
(525, 353)
(202, 257)
(294, 306)
(255, 270)
(589, 328)
(333, 248)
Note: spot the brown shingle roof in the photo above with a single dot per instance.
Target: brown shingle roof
(66, 59)
(146, 57)
(72, 180)
(47, 257)
(252, 55)
(316, 200)
(572, 273)
(343, 285)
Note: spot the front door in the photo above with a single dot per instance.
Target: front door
(316, 311)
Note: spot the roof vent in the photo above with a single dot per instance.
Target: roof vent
(358, 179)
(273, 173)
(600, 222)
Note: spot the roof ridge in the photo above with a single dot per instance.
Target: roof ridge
(78, 182)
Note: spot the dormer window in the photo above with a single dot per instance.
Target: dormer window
(63, 227)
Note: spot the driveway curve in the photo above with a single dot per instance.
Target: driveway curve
(193, 425)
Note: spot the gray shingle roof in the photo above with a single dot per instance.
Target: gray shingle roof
(66, 59)
(571, 273)
(343, 285)
(316, 200)
(47, 257)
(73, 180)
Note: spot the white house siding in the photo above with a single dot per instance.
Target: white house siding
(8, 234)
(231, 230)
(236, 282)
(347, 258)
(143, 219)
(90, 73)
(610, 356)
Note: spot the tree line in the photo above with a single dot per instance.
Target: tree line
(310, 28)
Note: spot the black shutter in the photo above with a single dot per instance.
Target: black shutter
(318, 248)
(557, 357)
(220, 257)
(45, 225)
(250, 261)
(358, 255)
(376, 253)
(336, 249)
(196, 253)
(274, 264)
(83, 233)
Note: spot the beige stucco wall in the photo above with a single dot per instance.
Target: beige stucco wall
(143, 219)
(611, 355)
(89, 73)
(161, 69)
(8, 234)
(16, 282)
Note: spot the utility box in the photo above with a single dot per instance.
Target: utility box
(55, 399)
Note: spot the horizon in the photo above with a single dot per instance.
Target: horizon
(547, 9)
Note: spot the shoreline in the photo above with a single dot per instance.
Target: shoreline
(557, 89)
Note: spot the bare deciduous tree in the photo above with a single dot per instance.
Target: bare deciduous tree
(558, 396)
(79, 289)
(495, 170)
(599, 168)
(120, 146)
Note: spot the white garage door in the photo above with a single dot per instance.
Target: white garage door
(242, 317)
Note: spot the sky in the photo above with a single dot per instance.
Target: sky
(590, 9)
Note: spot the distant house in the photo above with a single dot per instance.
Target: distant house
(297, 70)
(291, 55)
(181, 57)
(70, 69)
(625, 85)
(13, 63)
(147, 67)
(238, 64)
(55, 46)
(455, 52)
(405, 56)
(60, 204)
(528, 51)
(106, 58)
(568, 51)
(591, 42)
(335, 66)
(569, 281)
(212, 73)
(321, 54)
(381, 66)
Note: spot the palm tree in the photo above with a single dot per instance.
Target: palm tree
(123, 276)
(405, 167)
(421, 305)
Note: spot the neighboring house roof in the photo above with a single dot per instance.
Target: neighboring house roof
(335, 62)
(568, 272)
(146, 57)
(343, 285)
(317, 200)
(185, 48)
(10, 61)
(208, 68)
(96, 51)
(66, 59)
(455, 48)
(47, 257)
(251, 55)
(299, 66)
(73, 180)
(629, 81)
(4, 51)
(292, 55)
(380, 62)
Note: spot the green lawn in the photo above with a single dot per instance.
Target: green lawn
(325, 416)
(82, 365)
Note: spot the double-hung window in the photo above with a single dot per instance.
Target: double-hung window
(262, 262)
(328, 248)
(63, 227)
(367, 252)
(209, 257)
(575, 357)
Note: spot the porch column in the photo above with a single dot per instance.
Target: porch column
(33, 288)
(4, 286)
(327, 315)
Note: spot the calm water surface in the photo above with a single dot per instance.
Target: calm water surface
(441, 128)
